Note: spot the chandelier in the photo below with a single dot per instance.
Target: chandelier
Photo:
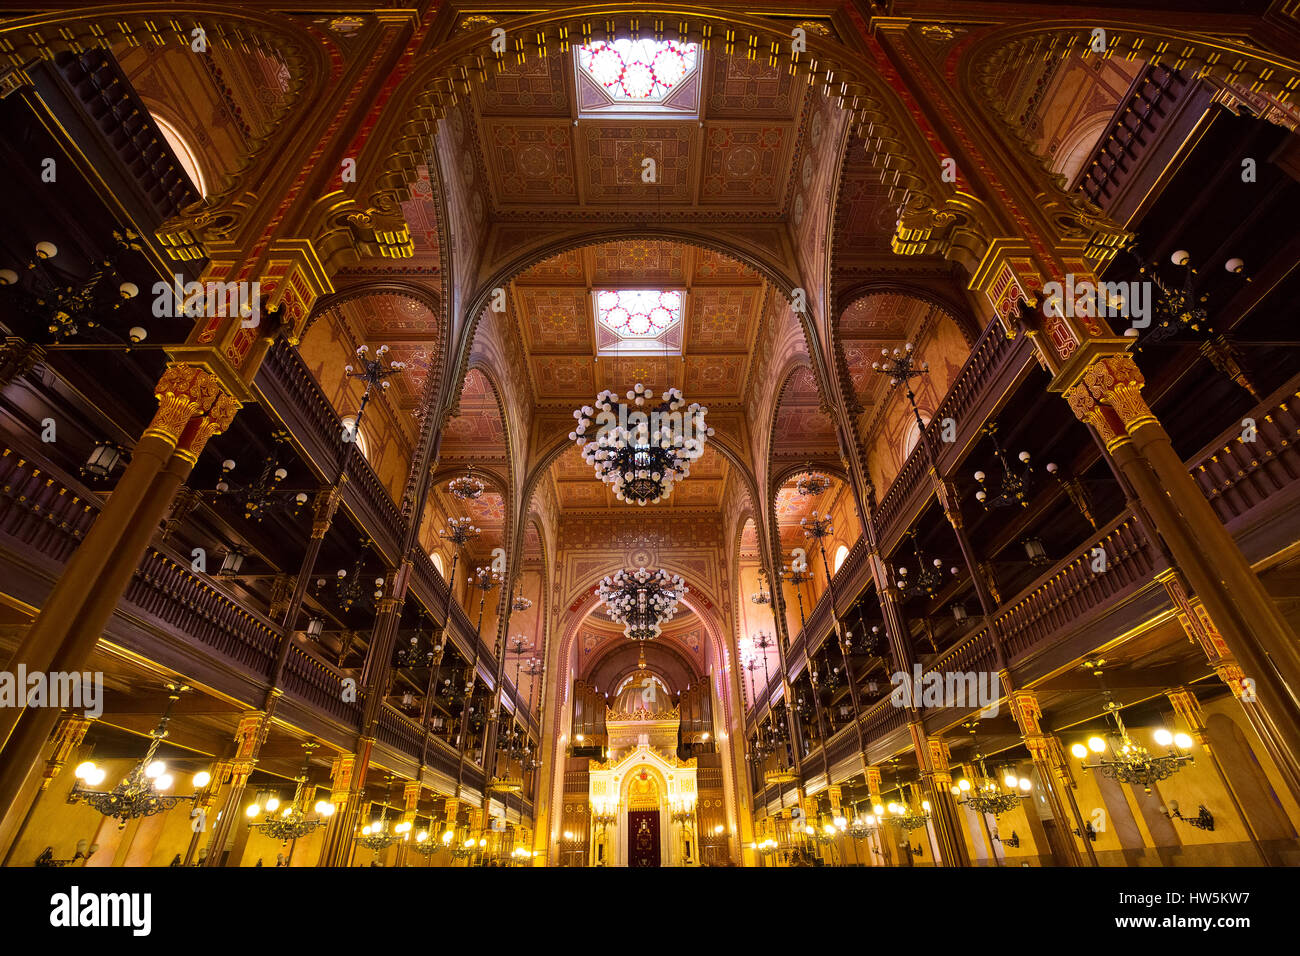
(292, 822)
(350, 591)
(373, 372)
(812, 483)
(142, 792)
(466, 487)
(641, 451)
(376, 834)
(420, 651)
(908, 817)
(762, 596)
(1129, 761)
(984, 794)
(1012, 489)
(928, 578)
(641, 600)
(863, 825)
(66, 307)
(263, 496)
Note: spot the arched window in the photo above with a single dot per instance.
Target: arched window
(437, 563)
(841, 553)
(184, 155)
(350, 434)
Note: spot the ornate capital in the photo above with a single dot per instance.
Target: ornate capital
(327, 503)
(1088, 410)
(1027, 712)
(184, 392)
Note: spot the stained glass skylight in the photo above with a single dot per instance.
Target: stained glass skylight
(638, 71)
(638, 314)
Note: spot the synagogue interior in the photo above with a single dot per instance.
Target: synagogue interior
(833, 433)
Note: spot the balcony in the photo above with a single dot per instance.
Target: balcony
(1065, 611)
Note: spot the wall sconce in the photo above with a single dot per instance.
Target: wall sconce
(84, 852)
(959, 613)
(315, 627)
(1012, 841)
(103, 459)
(1036, 552)
(1088, 830)
(1204, 819)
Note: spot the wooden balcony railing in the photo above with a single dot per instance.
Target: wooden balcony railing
(1073, 588)
(184, 601)
(1238, 475)
(318, 686)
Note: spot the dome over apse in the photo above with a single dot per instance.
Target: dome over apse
(645, 692)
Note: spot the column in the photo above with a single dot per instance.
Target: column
(235, 770)
(193, 406)
(1053, 774)
(345, 794)
(936, 781)
(1189, 709)
(410, 804)
(1254, 633)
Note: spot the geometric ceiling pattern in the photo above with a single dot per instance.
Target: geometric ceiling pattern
(708, 357)
(540, 159)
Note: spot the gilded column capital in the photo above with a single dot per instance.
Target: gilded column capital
(939, 757)
(1116, 381)
(873, 781)
(249, 734)
(1026, 710)
(1231, 674)
(1088, 410)
(68, 735)
(1187, 707)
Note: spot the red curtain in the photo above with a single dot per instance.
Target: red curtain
(643, 838)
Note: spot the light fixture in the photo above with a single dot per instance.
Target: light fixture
(1129, 761)
(639, 450)
(64, 307)
(377, 835)
(421, 650)
(291, 822)
(350, 588)
(232, 561)
(459, 531)
(1204, 819)
(141, 792)
(985, 794)
(1036, 552)
(762, 596)
(264, 495)
(928, 578)
(959, 613)
(467, 487)
(811, 483)
(103, 459)
(641, 600)
(315, 627)
(373, 372)
(1012, 489)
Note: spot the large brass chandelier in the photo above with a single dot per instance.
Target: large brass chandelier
(638, 449)
(143, 791)
(641, 600)
(292, 821)
(1129, 761)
